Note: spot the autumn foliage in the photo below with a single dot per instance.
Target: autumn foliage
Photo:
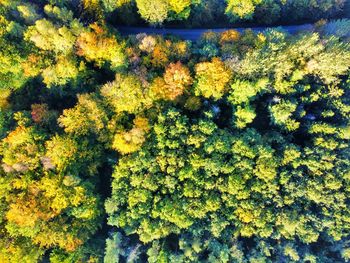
(150, 148)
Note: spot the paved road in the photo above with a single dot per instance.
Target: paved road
(194, 34)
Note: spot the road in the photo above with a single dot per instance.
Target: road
(194, 34)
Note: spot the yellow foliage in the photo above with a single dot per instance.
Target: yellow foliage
(244, 216)
(64, 70)
(153, 11)
(160, 56)
(4, 95)
(176, 78)
(180, 48)
(21, 148)
(142, 123)
(179, 5)
(91, 4)
(210, 36)
(88, 115)
(93, 8)
(58, 234)
(242, 8)
(212, 78)
(28, 12)
(61, 150)
(158, 88)
(32, 66)
(45, 35)
(96, 45)
(261, 37)
(120, 3)
(125, 93)
(7, 2)
(3, 23)
(131, 141)
(28, 210)
(229, 36)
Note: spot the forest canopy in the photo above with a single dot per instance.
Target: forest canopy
(144, 148)
(196, 13)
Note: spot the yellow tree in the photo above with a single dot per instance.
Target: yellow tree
(241, 9)
(98, 46)
(179, 5)
(46, 36)
(131, 141)
(174, 82)
(21, 149)
(212, 78)
(88, 116)
(153, 11)
(125, 93)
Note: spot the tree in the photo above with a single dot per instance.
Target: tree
(64, 71)
(111, 5)
(154, 12)
(46, 36)
(131, 141)
(19, 249)
(113, 248)
(47, 204)
(92, 9)
(21, 149)
(61, 14)
(211, 79)
(12, 56)
(244, 116)
(100, 47)
(88, 116)
(246, 160)
(125, 93)
(179, 6)
(282, 113)
(69, 155)
(159, 206)
(241, 9)
(29, 13)
(284, 62)
(175, 81)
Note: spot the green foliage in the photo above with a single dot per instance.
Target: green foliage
(244, 116)
(11, 72)
(289, 61)
(154, 207)
(113, 248)
(281, 114)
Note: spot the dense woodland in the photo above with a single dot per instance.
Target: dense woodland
(233, 148)
(216, 13)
